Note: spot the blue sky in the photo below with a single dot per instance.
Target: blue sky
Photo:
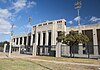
(17, 12)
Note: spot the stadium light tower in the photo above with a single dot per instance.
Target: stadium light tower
(11, 34)
(29, 22)
(78, 7)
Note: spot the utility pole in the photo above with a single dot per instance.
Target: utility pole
(11, 34)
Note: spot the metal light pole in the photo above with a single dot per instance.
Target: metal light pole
(11, 34)
(78, 7)
(29, 20)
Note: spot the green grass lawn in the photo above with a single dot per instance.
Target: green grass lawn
(20, 64)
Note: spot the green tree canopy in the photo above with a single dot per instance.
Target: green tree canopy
(75, 38)
(72, 39)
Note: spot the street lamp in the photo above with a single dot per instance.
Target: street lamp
(11, 34)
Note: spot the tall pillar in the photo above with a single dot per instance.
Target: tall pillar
(95, 43)
(46, 39)
(52, 37)
(31, 39)
(55, 36)
(5, 45)
(22, 40)
(80, 51)
(68, 50)
(34, 49)
(41, 38)
(18, 41)
(36, 38)
(27, 40)
(58, 50)
(19, 49)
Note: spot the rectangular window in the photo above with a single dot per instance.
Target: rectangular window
(38, 39)
(33, 38)
(17, 42)
(49, 40)
(29, 40)
(14, 39)
(25, 38)
(20, 40)
(43, 38)
(50, 23)
(59, 21)
(45, 24)
(40, 25)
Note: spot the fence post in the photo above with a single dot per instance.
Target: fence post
(96, 50)
(34, 49)
(80, 49)
(4, 50)
(58, 49)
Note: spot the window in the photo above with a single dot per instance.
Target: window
(59, 21)
(50, 23)
(45, 24)
(40, 25)
(65, 23)
(34, 26)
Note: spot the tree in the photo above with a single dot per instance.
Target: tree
(60, 37)
(72, 39)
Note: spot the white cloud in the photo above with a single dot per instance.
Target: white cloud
(71, 22)
(4, 13)
(94, 19)
(28, 26)
(19, 5)
(4, 26)
(22, 4)
(77, 18)
(31, 4)
(7, 16)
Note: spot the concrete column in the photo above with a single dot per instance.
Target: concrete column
(46, 39)
(36, 38)
(19, 49)
(19, 41)
(58, 49)
(41, 38)
(55, 36)
(5, 45)
(80, 51)
(95, 43)
(22, 40)
(34, 49)
(52, 37)
(68, 50)
(31, 39)
(54, 33)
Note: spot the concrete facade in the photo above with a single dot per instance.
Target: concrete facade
(45, 34)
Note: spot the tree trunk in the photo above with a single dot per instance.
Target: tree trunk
(70, 51)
